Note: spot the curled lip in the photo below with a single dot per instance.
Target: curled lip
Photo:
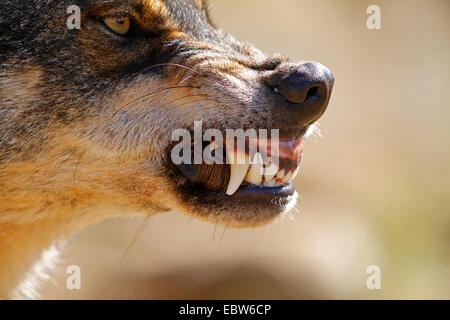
(250, 173)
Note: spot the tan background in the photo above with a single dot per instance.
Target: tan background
(375, 189)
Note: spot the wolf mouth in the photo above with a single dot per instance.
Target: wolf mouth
(269, 171)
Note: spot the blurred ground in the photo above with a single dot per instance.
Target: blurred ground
(375, 189)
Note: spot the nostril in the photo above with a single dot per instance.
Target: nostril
(300, 83)
(298, 93)
(306, 86)
(312, 92)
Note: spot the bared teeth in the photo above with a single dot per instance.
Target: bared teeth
(271, 184)
(239, 166)
(255, 174)
(295, 173)
(280, 176)
(270, 170)
(288, 177)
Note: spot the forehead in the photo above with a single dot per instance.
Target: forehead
(189, 15)
(199, 3)
(179, 4)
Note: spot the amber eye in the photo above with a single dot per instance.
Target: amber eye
(119, 25)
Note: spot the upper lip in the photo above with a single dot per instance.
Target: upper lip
(271, 165)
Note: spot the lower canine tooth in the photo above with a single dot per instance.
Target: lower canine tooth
(281, 174)
(279, 177)
(238, 171)
(255, 174)
(288, 177)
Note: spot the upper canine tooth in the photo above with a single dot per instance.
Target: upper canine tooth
(255, 174)
(270, 171)
(239, 167)
(295, 173)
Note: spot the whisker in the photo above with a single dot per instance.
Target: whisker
(188, 96)
(51, 161)
(154, 91)
(252, 231)
(185, 79)
(223, 233)
(214, 233)
(76, 169)
(211, 239)
(188, 222)
(137, 235)
(165, 64)
(61, 164)
(201, 100)
(11, 85)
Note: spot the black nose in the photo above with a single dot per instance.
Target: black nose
(306, 87)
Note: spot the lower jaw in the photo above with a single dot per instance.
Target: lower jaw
(250, 206)
(284, 190)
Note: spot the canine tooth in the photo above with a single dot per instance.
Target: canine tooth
(271, 183)
(238, 171)
(281, 174)
(255, 174)
(270, 171)
(287, 177)
(295, 173)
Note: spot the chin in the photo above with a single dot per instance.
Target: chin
(249, 194)
(249, 207)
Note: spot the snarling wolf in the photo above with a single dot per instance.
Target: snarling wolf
(87, 116)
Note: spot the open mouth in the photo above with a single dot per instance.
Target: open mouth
(267, 171)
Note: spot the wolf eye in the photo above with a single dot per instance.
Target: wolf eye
(119, 25)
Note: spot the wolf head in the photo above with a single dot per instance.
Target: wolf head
(87, 115)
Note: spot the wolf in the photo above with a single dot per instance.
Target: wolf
(87, 116)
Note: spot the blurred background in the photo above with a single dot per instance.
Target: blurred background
(374, 190)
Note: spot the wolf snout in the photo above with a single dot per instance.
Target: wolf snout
(306, 87)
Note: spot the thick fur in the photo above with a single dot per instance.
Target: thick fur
(86, 117)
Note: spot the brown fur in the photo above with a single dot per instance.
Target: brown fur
(86, 117)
